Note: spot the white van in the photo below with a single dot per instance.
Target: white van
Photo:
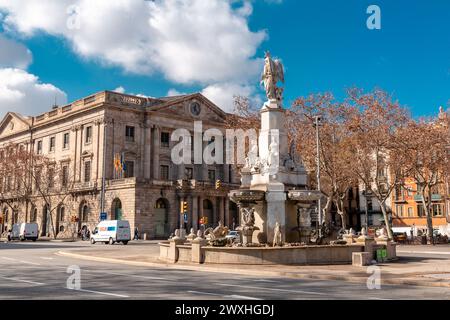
(111, 231)
(24, 231)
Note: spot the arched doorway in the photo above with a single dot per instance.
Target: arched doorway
(208, 209)
(116, 211)
(161, 218)
(34, 214)
(60, 217)
(234, 216)
(83, 217)
(5, 219)
(45, 221)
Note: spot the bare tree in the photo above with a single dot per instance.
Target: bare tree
(425, 142)
(53, 183)
(374, 127)
(337, 176)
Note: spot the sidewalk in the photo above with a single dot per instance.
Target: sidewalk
(416, 271)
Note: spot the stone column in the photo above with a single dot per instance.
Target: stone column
(155, 152)
(227, 218)
(200, 205)
(73, 145)
(195, 212)
(147, 151)
(221, 210)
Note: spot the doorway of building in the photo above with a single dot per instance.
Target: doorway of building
(117, 209)
(208, 212)
(45, 221)
(161, 217)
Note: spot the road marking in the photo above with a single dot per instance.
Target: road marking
(22, 261)
(271, 289)
(126, 275)
(101, 292)
(242, 297)
(376, 298)
(46, 258)
(9, 259)
(205, 293)
(264, 280)
(234, 296)
(24, 281)
(424, 252)
(28, 262)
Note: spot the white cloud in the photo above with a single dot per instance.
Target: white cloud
(174, 92)
(119, 89)
(14, 54)
(22, 92)
(187, 40)
(223, 94)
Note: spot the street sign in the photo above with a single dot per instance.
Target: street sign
(185, 218)
(103, 216)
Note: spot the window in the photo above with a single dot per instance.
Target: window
(164, 172)
(65, 175)
(51, 177)
(62, 214)
(399, 210)
(212, 175)
(87, 171)
(39, 147)
(189, 173)
(410, 212)
(420, 210)
(165, 139)
(129, 133)
(129, 169)
(437, 210)
(66, 141)
(85, 213)
(88, 135)
(52, 144)
(369, 204)
(34, 215)
(398, 193)
(61, 229)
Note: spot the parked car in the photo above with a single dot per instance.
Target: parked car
(112, 231)
(23, 231)
(232, 236)
(400, 237)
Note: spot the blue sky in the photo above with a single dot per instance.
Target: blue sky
(324, 45)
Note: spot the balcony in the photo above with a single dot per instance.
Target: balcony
(434, 197)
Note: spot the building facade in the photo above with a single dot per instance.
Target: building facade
(127, 140)
(409, 213)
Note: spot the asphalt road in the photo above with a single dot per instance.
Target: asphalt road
(33, 271)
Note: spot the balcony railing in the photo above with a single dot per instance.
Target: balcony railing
(434, 197)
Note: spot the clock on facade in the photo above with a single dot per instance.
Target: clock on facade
(196, 108)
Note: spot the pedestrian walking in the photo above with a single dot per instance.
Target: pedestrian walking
(136, 233)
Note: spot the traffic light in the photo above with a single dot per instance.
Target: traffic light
(218, 184)
(1, 220)
(205, 220)
(184, 206)
(201, 220)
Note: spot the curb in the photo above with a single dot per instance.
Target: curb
(360, 279)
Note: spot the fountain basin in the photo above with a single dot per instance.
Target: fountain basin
(246, 195)
(301, 255)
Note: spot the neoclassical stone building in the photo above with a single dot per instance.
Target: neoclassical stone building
(88, 135)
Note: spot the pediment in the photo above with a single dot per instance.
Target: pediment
(13, 123)
(191, 107)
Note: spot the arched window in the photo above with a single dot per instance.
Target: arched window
(160, 204)
(62, 214)
(34, 213)
(61, 229)
(117, 209)
(85, 213)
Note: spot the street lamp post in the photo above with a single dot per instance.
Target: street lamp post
(317, 120)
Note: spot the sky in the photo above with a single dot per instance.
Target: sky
(64, 50)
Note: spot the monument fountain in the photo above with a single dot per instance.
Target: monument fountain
(275, 207)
